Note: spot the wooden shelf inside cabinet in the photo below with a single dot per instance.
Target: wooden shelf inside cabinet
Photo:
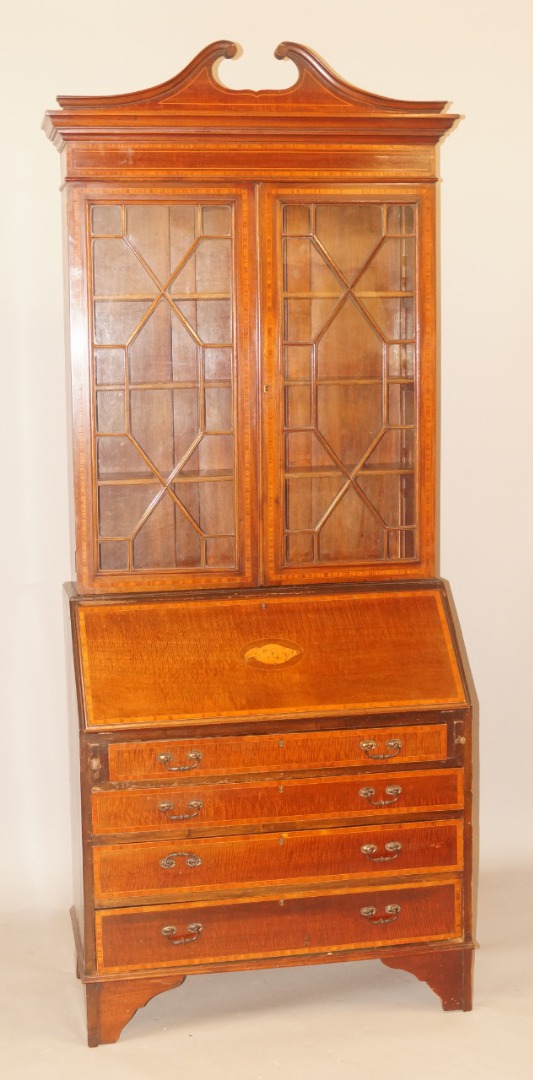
(264, 657)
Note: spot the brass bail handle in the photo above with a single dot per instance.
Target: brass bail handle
(391, 913)
(193, 933)
(194, 757)
(394, 790)
(369, 745)
(170, 860)
(194, 809)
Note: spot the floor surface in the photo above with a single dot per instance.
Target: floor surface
(337, 1022)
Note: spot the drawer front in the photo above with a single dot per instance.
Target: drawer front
(125, 871)
(189, 810)
(276, 753)
(186, 935)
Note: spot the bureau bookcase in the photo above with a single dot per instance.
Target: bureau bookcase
(275, 725)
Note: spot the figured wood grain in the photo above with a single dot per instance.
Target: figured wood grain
(317, 100)
(131, 938)
(169, 660)
(195, 664)
(110, 1005)
(126, 871)
(249, 753)
(270, 802)
(449, 973)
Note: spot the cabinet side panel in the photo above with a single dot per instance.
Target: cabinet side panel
(75, 792)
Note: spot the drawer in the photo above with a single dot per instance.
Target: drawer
(189, 810)
(215, 932)
(126, 871)
(276, 753)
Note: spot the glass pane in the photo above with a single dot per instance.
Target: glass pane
(163, 341)
(109, 366)
(391, 268)
(401, 219)
(401, 404)
(298, 360)
(167, 538)
(207, 269)
(392, 316)
(220, 551)
(297, 220)
(214, 454)
(349, 417)
(110, 411)
(216, 220)
(349, 233)
(162, 235)
(210, 505)
(217, 364)
(395, 449)
(351, 532)
(106, 220)
(306, 269)
(390, 494)
(165, 424)
(114, 555)
(118, 271)
(401, 360)
(298, 406)
(308, 499)
(304, 449)
(349, 366)
(300, 548)
(120, 459)
(350, 347)
(218, 409)
(116, 321)
(164, 350)
(121, 507)
(154, 543)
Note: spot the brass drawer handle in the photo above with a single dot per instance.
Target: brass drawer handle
(194, 930)
(370, 850)
(166, 807)
(194, 756)
(170, 860)
(394, 790)
(391, 913)
(394, 745)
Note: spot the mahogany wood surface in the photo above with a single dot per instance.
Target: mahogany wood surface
(275, 723)
(206, 756)
(124, 872)
(448, 973)
(333, 799)
(132, 938)
(111, 1004)
(171, 660)
(167, 140)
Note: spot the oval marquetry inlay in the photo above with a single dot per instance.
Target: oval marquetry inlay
(269, 654)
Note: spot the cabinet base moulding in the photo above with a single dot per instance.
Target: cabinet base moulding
(112, 1003)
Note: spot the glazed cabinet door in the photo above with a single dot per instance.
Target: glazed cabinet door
(162, 318)
(348, 383)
